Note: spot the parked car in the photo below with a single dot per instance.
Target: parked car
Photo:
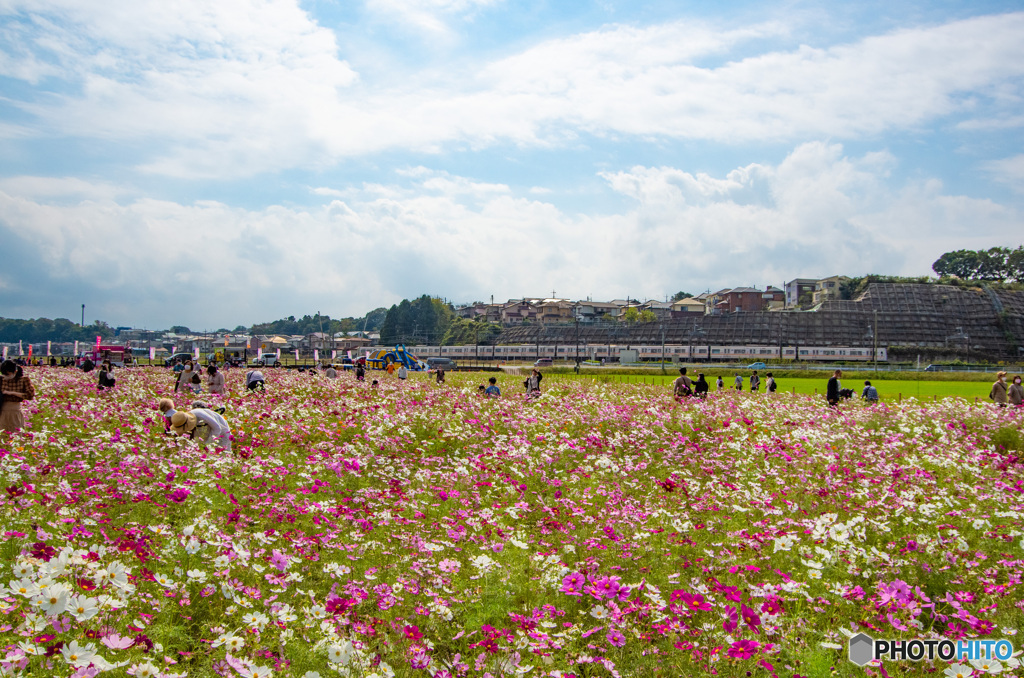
(446, 364)
(543, 362)
(265, 360)
(757, 366)
(176, 357)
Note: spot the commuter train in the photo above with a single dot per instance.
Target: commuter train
(703, 353)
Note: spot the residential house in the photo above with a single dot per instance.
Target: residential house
(517, 311)
(593, 311)
(797, 288)
(688, 306)
(552, 311)
(774, 299)
(712, 301)
(828, 288)
(661, 309)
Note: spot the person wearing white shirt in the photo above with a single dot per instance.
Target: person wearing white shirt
(254, 379)
(204, 424)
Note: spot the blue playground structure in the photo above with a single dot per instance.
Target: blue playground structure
(380, 359)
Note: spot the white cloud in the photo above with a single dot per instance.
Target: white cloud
(1009, 171)
(238, 87)
(428, 16)
(816, 213)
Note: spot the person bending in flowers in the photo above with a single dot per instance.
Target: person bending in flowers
(202, 424)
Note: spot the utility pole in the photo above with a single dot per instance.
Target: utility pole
(876, 341)
(576, 318)
(83, 315)
(662, 328)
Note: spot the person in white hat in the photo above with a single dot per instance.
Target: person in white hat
(204, 424)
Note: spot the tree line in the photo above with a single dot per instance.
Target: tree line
(308, 324)
(997, 264)
(37, 330)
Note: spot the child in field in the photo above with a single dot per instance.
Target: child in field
(492, 391)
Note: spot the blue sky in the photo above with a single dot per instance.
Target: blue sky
(214, 164)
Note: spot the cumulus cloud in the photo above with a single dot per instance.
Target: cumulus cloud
(238, 87)
(817, 212)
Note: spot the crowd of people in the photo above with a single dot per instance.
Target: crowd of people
(206, 424)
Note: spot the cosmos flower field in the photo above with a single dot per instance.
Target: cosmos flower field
(416, 529)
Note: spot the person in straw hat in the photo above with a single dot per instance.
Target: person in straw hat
(204, 424)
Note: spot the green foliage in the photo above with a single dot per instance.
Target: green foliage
(631, 315)
(648, 316)
(424, 320)
(994, 264)
(1007, 438)
(681, 295)
(462, 332)
(44, 329)
(308, 324)
(854, 287)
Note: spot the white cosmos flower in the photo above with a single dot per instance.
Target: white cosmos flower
(82, 607)
(52, 600)
(197, 575)
(959, 671)
(25, 587)
(78, 655)
(23, 569)
(987, 665)
(146, 670)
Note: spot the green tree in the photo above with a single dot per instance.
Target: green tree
(465, 332)
(647, 316)
(681, 295)
(631, 315)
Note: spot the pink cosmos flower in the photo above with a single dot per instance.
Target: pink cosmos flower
(743, 649)
(693, 601)
(731, 620)
(750, 617)
(572, 584)
(615, 637)
(116, 642)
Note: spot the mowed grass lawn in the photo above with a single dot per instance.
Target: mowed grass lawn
(887, 389)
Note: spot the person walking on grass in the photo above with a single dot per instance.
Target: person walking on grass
(755, 382)
(770, 384)
(999, 390)
(832, 389)
(738, 383)
(1016, 392)
(15, 388)
(720, 383)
